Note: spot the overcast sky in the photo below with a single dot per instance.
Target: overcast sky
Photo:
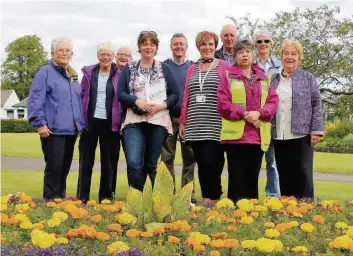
(87, 22)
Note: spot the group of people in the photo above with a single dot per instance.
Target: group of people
(239, 101)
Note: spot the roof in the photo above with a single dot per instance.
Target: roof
(22, 104)
(5, 94)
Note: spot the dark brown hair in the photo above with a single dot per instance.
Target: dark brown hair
(205, 35)
(144, 36)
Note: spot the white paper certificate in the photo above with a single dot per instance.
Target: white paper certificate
(157, 94)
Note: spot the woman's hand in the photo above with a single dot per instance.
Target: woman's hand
(158, 107)
(44, 131)
(144, 106)
(181, 131)
(251, 116)
(314, 139)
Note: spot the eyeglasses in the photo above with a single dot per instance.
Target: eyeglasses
(148, 32)
(62, 51)
(260, 41)
(128, 56)
(103, 55)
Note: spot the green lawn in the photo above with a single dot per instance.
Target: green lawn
(31, 182)
(28, 145)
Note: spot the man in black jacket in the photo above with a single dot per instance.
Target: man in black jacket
(229, 38)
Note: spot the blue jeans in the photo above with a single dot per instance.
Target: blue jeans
(143, 146)
(272, 184)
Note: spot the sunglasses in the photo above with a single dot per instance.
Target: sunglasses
(260, 41)
(148, 32)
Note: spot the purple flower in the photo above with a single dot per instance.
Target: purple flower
(30, 251)
(37, 200)
(45, 252)
(208, 204)
(131, 252)
(8, 250)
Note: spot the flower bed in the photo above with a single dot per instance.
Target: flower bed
(275, 226)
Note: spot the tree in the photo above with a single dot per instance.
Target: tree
(25, 56)
(327, 41)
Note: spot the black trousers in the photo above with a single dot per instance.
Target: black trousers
(58, 152)
(109, 144)
(244, 164)
(209, 156)
(294, 160)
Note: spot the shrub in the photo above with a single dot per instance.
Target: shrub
(16, 126)
(341, 130)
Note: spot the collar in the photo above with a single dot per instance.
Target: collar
(176, 63)
(226, 53)
(70, 73)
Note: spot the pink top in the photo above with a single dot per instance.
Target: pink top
(221, 69)
(231, 111)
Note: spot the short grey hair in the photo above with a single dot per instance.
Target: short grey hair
(244, 44)
(179, 35)
(230, 25)
(106, 46)
(264, 33)
(57, 40)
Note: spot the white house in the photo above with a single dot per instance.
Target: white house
(11, 107)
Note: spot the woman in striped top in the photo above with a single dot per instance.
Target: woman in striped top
(200, 123)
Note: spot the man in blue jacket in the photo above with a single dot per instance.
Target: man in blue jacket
(54, 107)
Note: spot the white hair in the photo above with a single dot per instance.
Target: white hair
(229, 25)
(59, 40)
(106, 46)
(264, 33)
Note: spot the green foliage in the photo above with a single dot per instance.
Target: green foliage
(16, 126)
(327, 40)
(158, 205)
(25, 56)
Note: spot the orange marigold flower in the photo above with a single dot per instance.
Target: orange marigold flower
(173, 240)
(232, 228)
(218, 243)
(39, 226)
(199, 248)
(96, 218)
(158, 230)
(193, 216)
(133, 233)
(146, 234)
(171, 226)
(91, 203)
(215, 253)
(351, 214)
(102, 236)
(115, 227)
(254, 201)
(282, 227)
(254, 214)
(240, 213)
(11, 220)
(220, 235)
(212, 214)
(3, 218)
(318, 219)
(231, 243)
(51, 205)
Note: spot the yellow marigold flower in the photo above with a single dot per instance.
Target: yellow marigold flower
(265, 245)
(246, 220)
(297, 214)
(22, 208)
(215, 253)
(3, 239)
(3, 207)
(341, 242)
(225, 203)
(269, 225)
(328, 204)
(299, 249)
(91, 203)
(61, 240)
(5, 199)
(197, 208)
(254, 214)
(292, 202)
(273, 204)
(26, 225)
(126, 219)
(248, 244)
(119, 204)
(106, 201)
(272, 233)
(58, 200)
(341, 225)
(260, 208)
(60, 215)
(183, 225)
(278, 246)
(52, 205)
(294, 224)
(349, 231)
(54, 222)
(245, 204)
(46, 241)
(173, 240)
(307, 227)
(21, 217)
(116, 247)
(254, 201)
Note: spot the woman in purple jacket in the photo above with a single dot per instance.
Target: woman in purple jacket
(247, 103)
(298, 124)
(102, 115)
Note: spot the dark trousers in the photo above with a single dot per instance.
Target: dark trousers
(58, 152)
(115, 164)
(209, 156)
(168, 156)
(244, 164)
(109, 148)
(295, 167)
(143, 145)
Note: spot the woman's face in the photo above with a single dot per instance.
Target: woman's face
(263, 45)
(148, 49)
(105, 57)
(208, 49)
(244, 57)
(290, 57)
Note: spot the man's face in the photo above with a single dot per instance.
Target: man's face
(228, 37)
(178, 46)
(123, 56)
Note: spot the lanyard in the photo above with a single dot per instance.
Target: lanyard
(201, 83)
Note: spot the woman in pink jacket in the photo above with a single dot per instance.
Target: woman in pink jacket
(200, 123)
(247, 104)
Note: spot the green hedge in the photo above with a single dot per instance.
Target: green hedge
(16, 126)
(336, 144)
